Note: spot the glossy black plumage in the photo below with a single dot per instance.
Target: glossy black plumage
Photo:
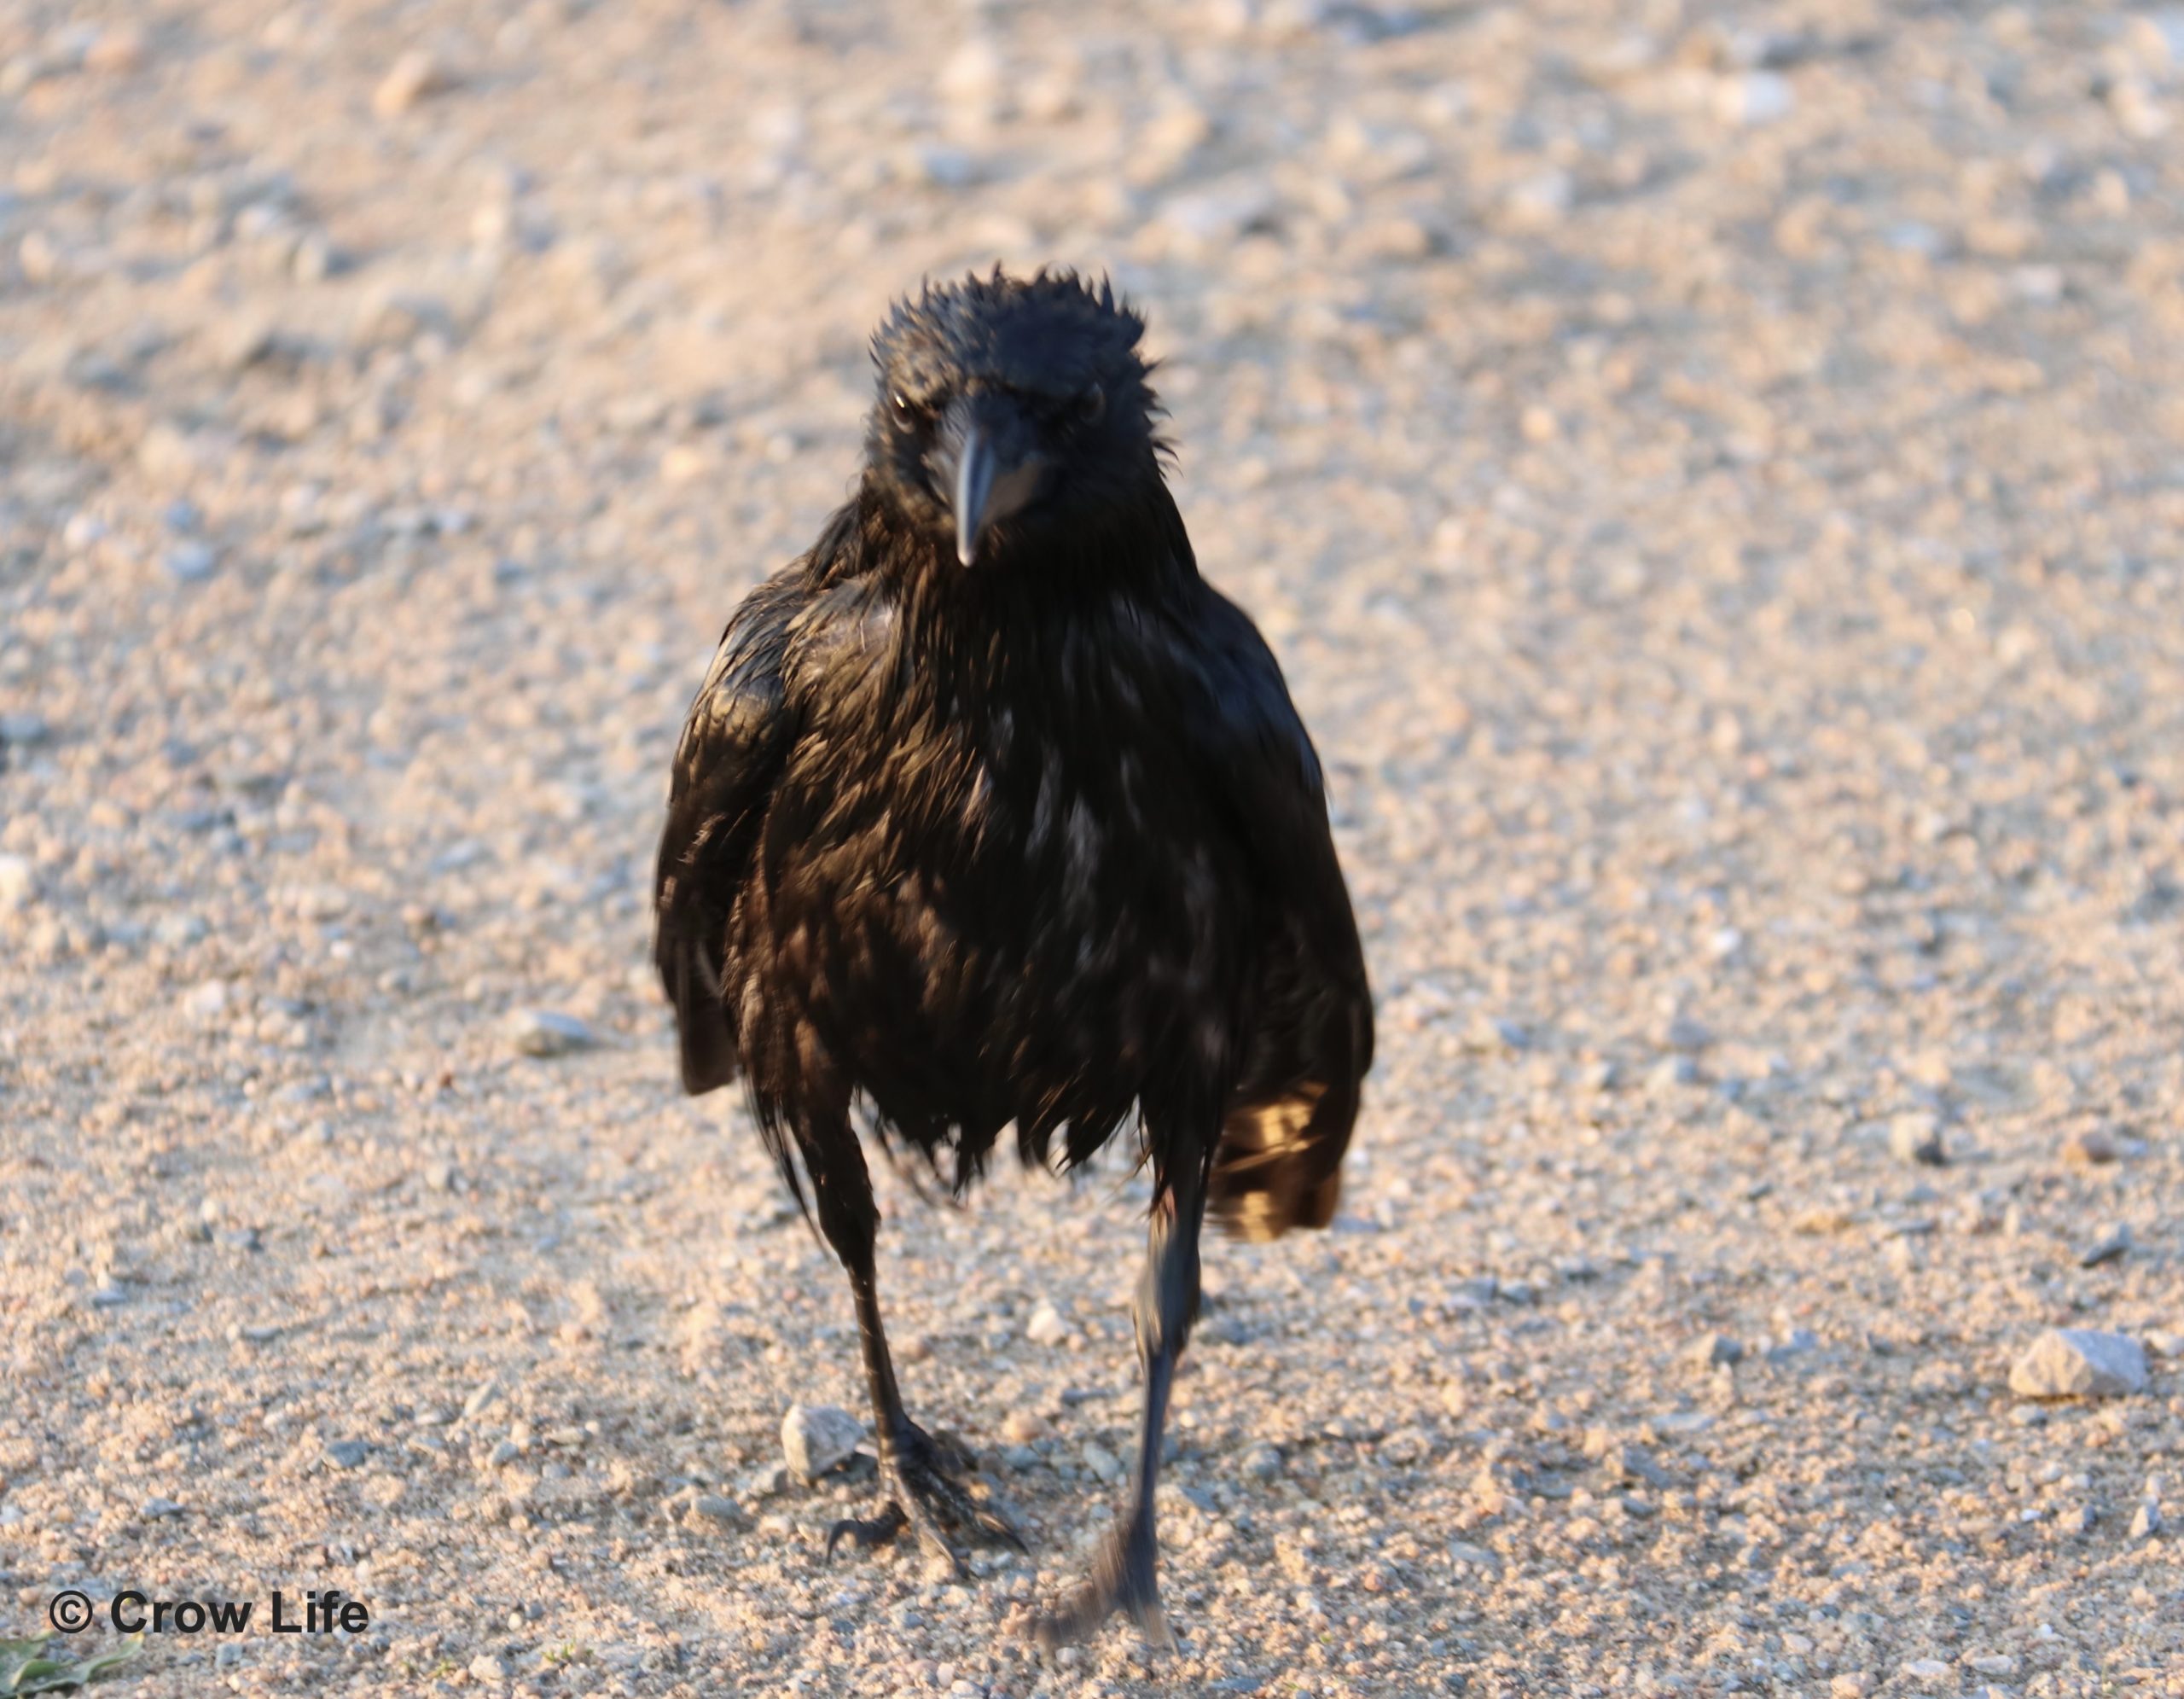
(992, 811)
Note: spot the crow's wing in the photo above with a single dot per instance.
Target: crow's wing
(1288, 1122)
(734, 746)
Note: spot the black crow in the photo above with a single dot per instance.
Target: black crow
(991, 813)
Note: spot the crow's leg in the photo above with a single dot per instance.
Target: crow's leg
(920, 1470)
(1123, 1578)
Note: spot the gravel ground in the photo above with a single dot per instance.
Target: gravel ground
(1713, 474)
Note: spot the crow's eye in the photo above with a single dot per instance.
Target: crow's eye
(906, 411)
(1091, 402)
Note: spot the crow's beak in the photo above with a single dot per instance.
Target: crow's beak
(990, 484)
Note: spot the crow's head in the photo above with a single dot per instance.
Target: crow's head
(1011, 409)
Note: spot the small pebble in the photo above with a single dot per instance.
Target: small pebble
(1539, 201)
(2110, 1247)
(545, 1032)
(1716, 1350)
(1683, 1033)
(1101, 1461)
(1045, 1326)
(1757, 97)
(1671, 1072)
(2146, 1521)
(190, 563)
(116, 51)
(347, 1453)
(2089, 1148)
(1917, 1138)
(816, 1438)
(411, 79)
(2079, 1362)
(18, 882)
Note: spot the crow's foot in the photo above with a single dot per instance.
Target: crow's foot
(1122, 1580)
(925, 1496)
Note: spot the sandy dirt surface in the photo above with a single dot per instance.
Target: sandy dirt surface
(1713, 474)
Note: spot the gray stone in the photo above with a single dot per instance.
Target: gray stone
(1540, 201)
(1263, 1463)
(158, 1509)
(1682, 1033)
(1222, 210)
(1757, 97)
(179, 932)
(1488, 1034)
(2108, 1247)
(1101, 1461)
(190, 563)
(347, 1453)
(1716, 1350)
(2079, 1362)
(1670, 1072)
(1634, 1462)
(715, 1508)
(816, 1438)
(23, 728)
(545, 1032)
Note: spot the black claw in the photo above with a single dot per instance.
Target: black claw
(867, 1533)
(927, 1498)
(1121, 1581)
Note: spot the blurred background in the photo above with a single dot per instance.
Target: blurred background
(1712, 474)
